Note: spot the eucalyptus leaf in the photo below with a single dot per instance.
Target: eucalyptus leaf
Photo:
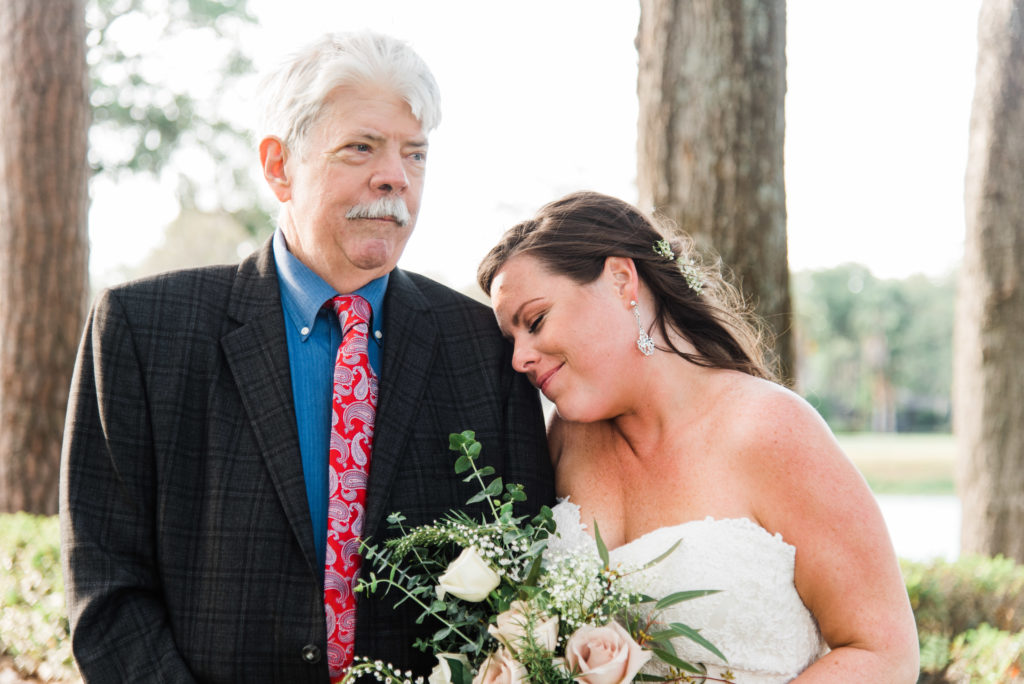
(537, 547)
(662, 638)
(675, 661)
(680, 596)
(456, 440)
(602, 550)
(531, 577)
(479, 496)
(695, 636)
(663, 556)
(460, 675)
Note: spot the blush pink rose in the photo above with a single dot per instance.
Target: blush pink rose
(604, 655)
(512, 627)
(501, 668)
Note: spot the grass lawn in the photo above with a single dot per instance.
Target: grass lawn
(896, 463)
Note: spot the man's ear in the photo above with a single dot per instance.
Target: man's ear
(273, 155)
(621, 271)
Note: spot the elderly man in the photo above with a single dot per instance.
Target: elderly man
(234, 431)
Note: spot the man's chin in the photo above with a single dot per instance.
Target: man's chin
(376, 261)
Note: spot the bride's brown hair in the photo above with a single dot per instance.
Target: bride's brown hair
(573, 236)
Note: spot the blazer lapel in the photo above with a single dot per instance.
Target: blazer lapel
(410, 344)
(257, 354)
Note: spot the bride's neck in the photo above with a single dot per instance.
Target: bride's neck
(673, 396)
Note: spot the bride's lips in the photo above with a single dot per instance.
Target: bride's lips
(542, 381)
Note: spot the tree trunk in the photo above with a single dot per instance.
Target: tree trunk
(712, 85)
(44, 116)
(988, 393)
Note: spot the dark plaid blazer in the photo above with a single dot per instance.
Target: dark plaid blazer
(187, 540)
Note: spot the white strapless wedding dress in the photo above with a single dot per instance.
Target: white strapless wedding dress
(757, 620)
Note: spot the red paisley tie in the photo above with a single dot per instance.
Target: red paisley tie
(355, 405)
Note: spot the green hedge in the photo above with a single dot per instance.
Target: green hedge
(970, 618)
(33, 622)
(970, 613)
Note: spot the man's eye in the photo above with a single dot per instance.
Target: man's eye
(359, 147)
(418, 156)
(536, 323)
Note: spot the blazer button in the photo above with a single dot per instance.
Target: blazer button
(311, 653)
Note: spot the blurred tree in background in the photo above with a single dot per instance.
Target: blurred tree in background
(145, 119)
(44, 116)
(875, 354)
(989, 391)
(151, 118)
(712, 86)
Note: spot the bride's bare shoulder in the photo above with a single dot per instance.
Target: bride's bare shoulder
(756, 405)
(775, 430)
(762, 418)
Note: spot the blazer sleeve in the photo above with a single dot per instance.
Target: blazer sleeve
(119, 624)
(528, 461)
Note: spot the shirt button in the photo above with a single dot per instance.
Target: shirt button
(305, 330)
(377, 334)
(311, 653)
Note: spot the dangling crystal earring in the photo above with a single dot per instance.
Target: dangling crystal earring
(644, 342)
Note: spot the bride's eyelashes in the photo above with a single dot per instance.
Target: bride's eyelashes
(535, 325)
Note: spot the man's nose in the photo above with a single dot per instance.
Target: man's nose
(391, 175)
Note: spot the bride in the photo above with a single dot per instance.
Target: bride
(669, 427)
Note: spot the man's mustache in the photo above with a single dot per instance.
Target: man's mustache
(388, 206)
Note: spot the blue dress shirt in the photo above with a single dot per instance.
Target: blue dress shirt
(314, 335)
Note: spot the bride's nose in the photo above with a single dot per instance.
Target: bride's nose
(523, 357)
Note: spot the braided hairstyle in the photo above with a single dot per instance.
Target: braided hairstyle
(573, 236)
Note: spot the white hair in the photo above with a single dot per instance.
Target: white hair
(294, 94)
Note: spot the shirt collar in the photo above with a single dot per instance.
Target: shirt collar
(303, 292)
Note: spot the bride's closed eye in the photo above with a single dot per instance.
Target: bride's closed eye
(535, 325)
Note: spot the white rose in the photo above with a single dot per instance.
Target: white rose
(605, 655)
(512, 625)
(442, 672)
(501, 668)
(468, 577)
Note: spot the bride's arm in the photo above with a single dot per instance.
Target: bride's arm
(846, 570)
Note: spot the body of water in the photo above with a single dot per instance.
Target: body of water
(923, 527)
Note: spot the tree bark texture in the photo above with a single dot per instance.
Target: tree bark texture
(712, 86)
(44, 117)
(988, 392)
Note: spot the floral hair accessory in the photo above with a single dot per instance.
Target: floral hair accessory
(692, 275)
(686, 265)
(663, 249)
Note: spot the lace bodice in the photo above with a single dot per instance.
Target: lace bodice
(757, 620)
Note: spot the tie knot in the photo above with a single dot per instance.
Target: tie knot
(351, 311)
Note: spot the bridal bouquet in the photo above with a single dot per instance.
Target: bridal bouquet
(508, 615)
